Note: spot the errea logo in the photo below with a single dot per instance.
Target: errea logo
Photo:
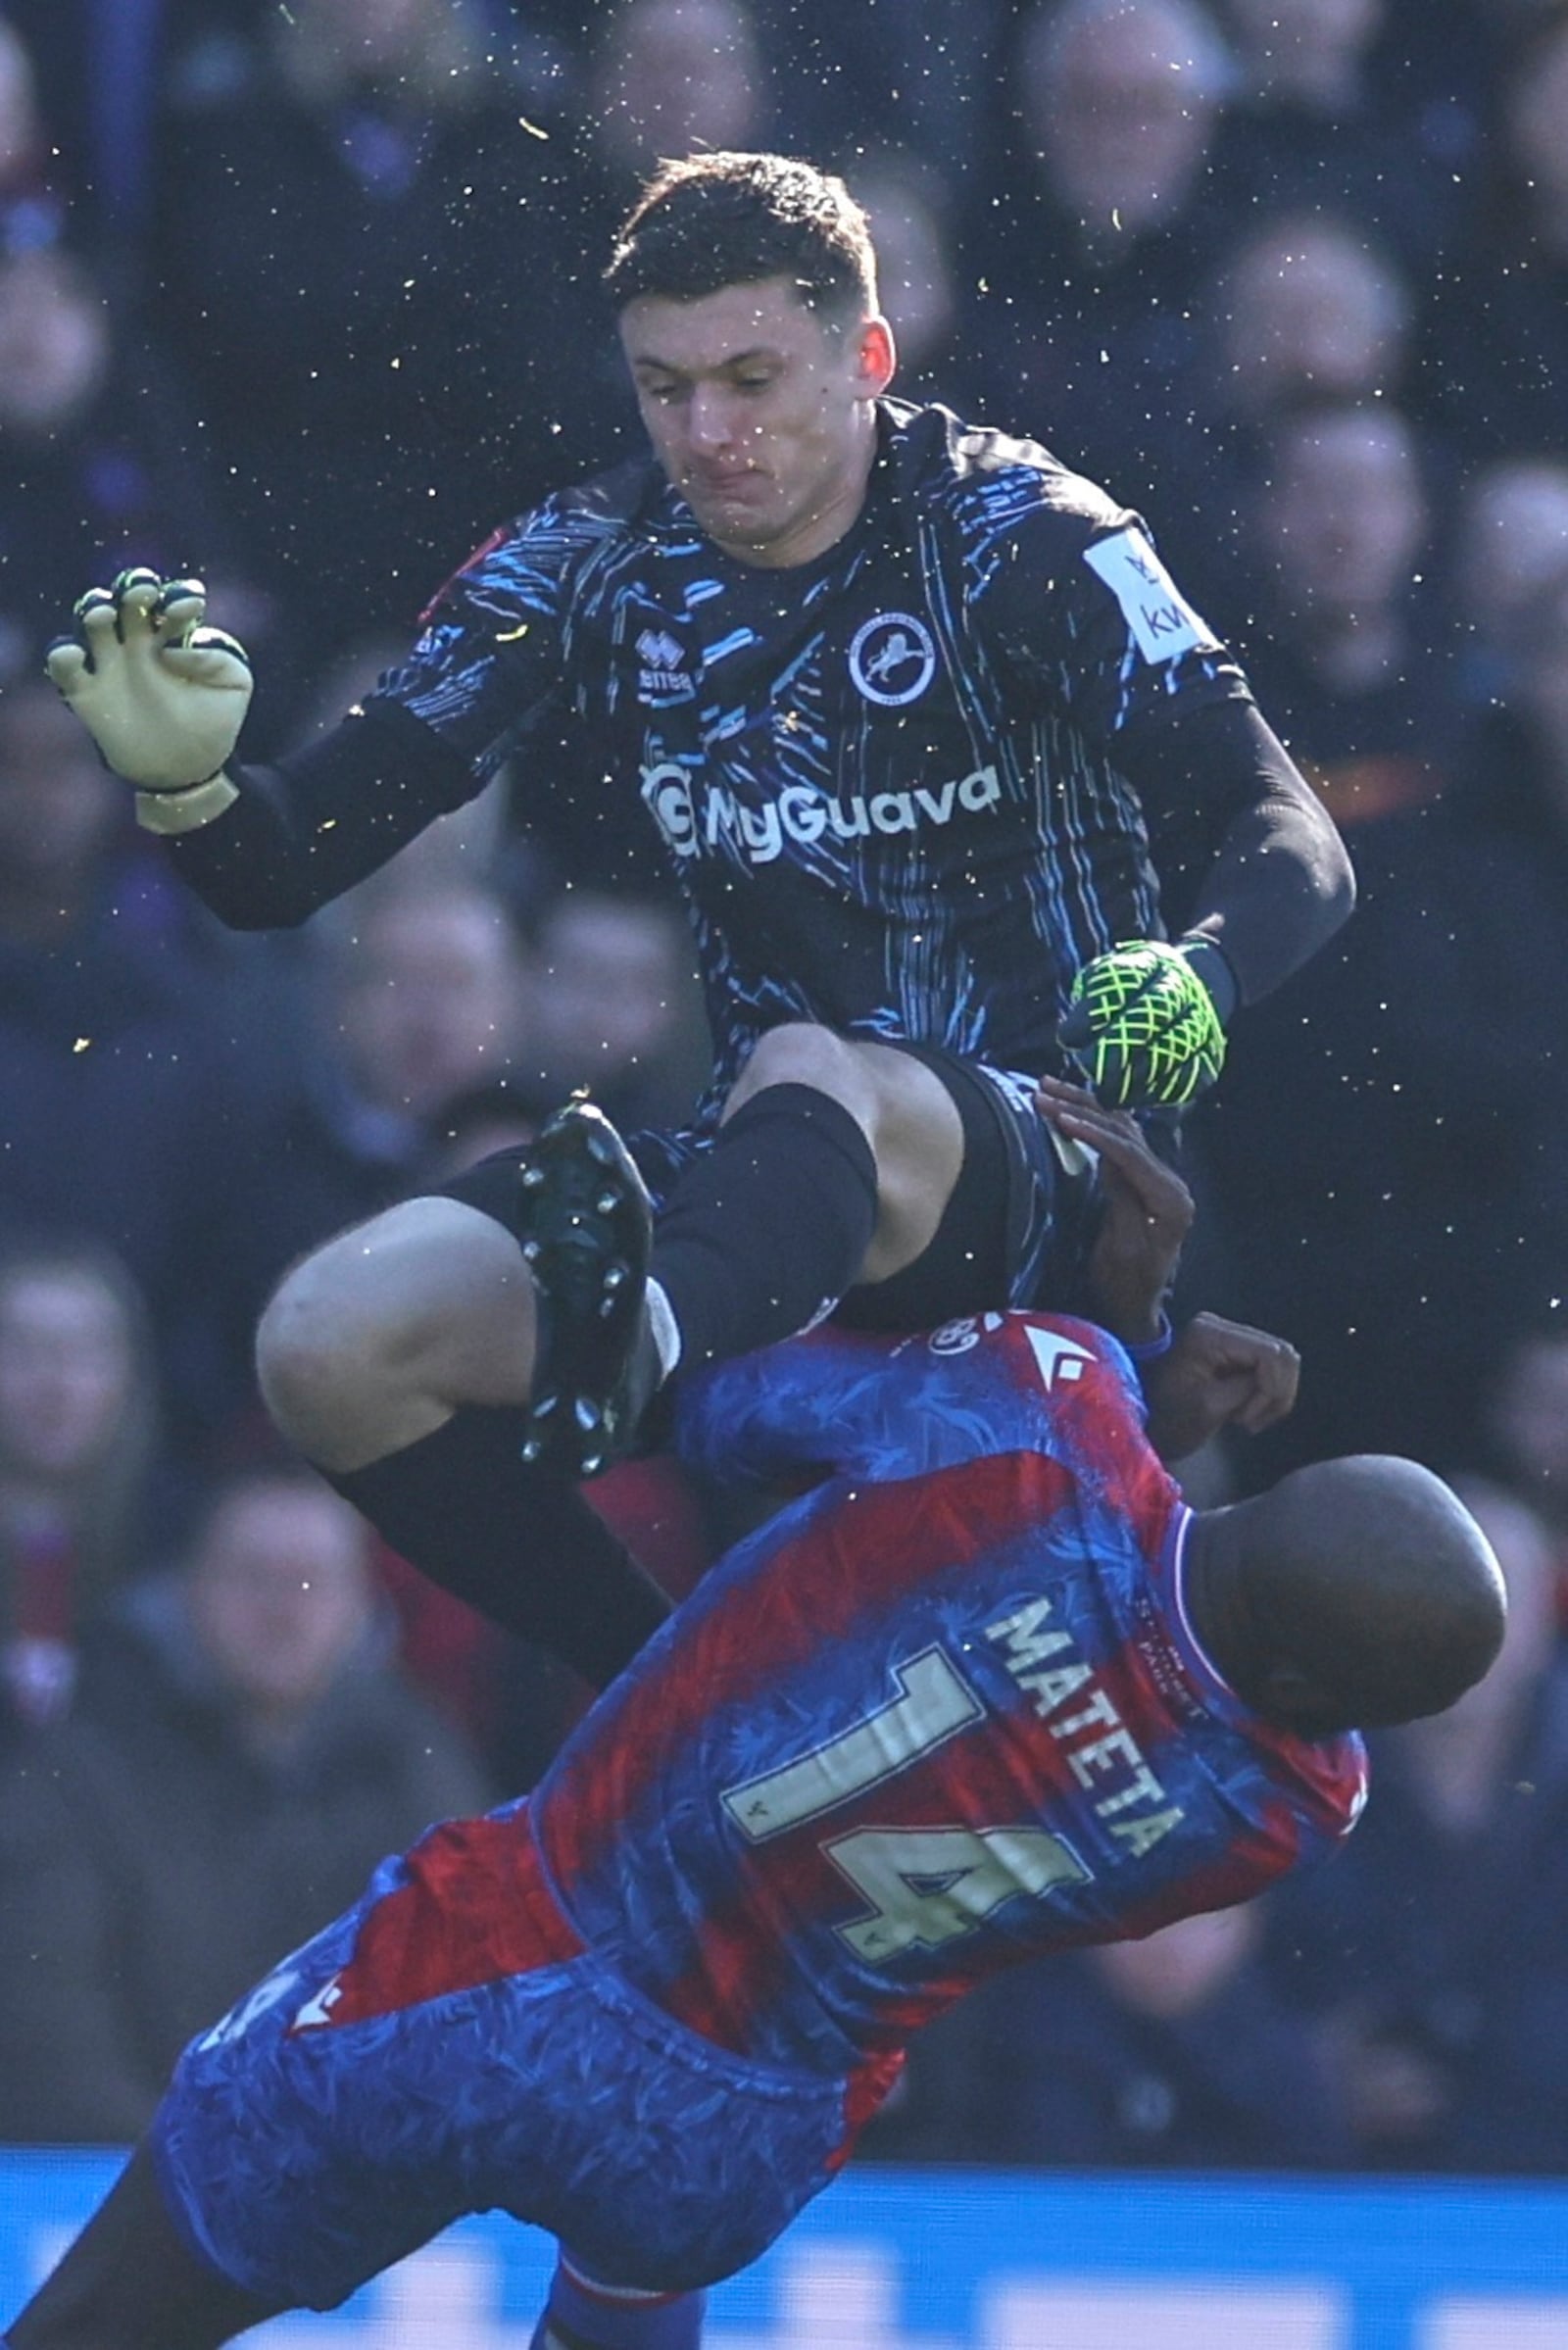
(892, 659)
(663, 678)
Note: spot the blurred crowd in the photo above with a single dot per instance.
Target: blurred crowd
(305, 299)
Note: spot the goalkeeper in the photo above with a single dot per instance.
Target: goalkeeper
(923, 725)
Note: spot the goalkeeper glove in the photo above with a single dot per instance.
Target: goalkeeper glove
(163, 696)
(1143, 1027)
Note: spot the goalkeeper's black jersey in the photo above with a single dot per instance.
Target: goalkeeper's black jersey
(887, 781)
(890, 782)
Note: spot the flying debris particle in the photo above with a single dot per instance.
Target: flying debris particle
(286, 12)
(81, 1044)
(532, 128)
(509, 636)
(1115, 217)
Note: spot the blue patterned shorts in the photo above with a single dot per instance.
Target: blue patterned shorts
(371, 2092)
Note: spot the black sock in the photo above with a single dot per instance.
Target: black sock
(523, 1548)
(769, 1225)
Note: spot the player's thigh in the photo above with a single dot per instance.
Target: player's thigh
(919, 1141)
(1016, 1224)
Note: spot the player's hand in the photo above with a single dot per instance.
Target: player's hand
(161, 696)
(1148, 1211)
(1143, 1028)
(1218, 1373)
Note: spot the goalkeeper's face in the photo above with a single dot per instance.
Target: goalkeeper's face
(759, 409)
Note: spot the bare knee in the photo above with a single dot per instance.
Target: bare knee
(372, 1342)
(305, 1350)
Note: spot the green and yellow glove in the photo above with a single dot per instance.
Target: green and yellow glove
(163, 696)
(1141, 1026)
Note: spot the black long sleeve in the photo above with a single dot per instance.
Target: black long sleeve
(306, 829)
(1245, 850)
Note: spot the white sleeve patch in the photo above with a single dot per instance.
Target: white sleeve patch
(1163, 624)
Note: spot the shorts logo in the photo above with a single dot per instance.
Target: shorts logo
(892, 659)
(250, 2010)
(663, 679)
(318, 2009)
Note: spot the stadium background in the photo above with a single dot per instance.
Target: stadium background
(305, 298)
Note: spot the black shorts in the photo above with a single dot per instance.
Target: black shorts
(1016, 1232)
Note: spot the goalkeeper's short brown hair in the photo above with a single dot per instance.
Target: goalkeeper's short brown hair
(713, 220)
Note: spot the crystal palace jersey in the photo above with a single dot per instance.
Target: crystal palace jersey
(944, 1712)
(887, 780)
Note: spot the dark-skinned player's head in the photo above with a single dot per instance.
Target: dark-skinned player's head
(1354, 1594)
(747, 291)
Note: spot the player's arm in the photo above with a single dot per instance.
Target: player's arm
(1147, 1021)
(1147, 1213)
(164, 698)
(1214, 1373)
(1241, 840)
(308, 827)
(1218, 1374)
(1090, 623)
(1249, 861)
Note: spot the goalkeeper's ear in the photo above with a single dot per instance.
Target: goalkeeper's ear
(1213, 966)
